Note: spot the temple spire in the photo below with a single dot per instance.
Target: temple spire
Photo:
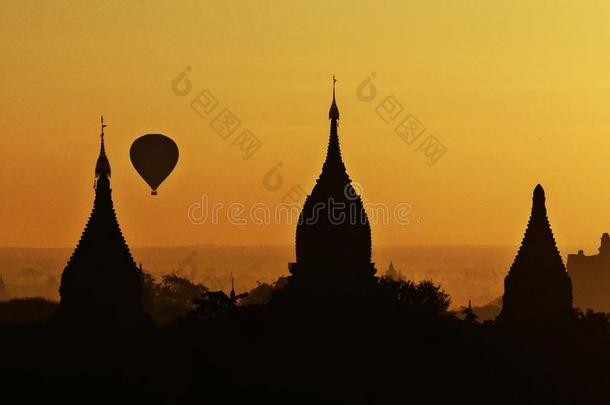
(102, 167)
(333, 255)
(102, 128)
(333, 162)
(101, 286)
(233, 295)
(333, 113)
(537, 288)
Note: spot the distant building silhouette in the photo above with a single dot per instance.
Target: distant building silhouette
(537, 288)
(591, 277)
(469, 314)
(3, 290)
(392, 273)
(333, 236)
(232, 294)
(101, 286)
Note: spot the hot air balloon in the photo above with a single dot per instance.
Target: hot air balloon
(154, 156)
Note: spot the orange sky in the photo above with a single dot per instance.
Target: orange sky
(517, 91)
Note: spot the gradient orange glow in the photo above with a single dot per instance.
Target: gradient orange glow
(517, 91)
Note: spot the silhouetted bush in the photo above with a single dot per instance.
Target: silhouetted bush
(170, 299)
(423, 298)
(593, 322)
(262, 293)
(211, 305)
(26, 310)
(400, 344)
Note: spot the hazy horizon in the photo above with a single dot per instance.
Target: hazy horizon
(466, 272)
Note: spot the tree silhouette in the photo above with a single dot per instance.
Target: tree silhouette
(172, 298)
(262, 293)
(424, 298)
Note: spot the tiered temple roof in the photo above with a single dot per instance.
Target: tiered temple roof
(101, 286)
(333, 236)
(537, 288)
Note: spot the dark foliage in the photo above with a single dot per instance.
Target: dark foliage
(26, 310)
(171, 298)
(262, 293)
(469, 315)
(421, 299)
(399, 345)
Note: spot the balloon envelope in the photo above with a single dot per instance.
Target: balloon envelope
(154, 156)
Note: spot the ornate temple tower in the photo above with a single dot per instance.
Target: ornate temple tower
(537, 289)
(333, 236)
(101, 286)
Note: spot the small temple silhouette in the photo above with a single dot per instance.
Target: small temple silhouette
(101, 286)
(232, 294)
(537, 289)
(392, 273)
(333, 235)
(591, 277)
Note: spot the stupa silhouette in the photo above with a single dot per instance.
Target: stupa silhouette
(537, 289)
(333, 236)
(101, 286)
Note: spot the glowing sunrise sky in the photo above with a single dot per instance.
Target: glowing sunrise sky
(517, 91)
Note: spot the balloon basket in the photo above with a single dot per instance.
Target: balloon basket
(154, 192)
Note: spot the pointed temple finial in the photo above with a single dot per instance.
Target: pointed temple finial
(333, 155)
(333, 113)
(102, 167)
(102, 127)
(233, 296)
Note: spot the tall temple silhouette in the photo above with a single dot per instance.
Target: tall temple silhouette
(333, 235)
(101, 286)
(537, 289)
(591, 277)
